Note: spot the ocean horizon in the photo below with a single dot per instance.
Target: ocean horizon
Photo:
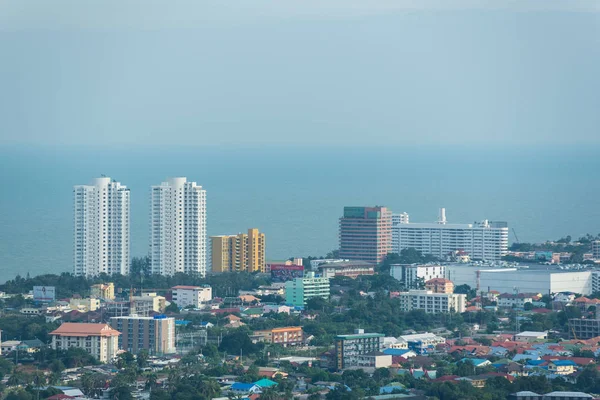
(295, 194)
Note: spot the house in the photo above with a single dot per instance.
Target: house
(561, 367)
(477, 362)
(245, 388)
(269, 372)
(509, 300)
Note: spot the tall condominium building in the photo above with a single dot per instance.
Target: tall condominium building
(300, 290)
(178, 227)
(101, 228)
(241, 252)
(398, 219)
(366, 233)
(484, 240)
(155, 334)
(348, 348)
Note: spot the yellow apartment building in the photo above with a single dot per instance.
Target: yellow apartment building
(241, 252)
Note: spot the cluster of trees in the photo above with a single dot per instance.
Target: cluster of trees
(226, 284)
(566, 244)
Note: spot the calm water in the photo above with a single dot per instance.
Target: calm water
(296, 194)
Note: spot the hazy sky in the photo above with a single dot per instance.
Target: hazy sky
(368, 72)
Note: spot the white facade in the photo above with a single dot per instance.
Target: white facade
(484, 240)
(101, 228)
(595, 281)
(398, 219)
(178, 227)
(432, 303)
(99, 340)
(194, 296)
(413, 274)
(596, 249)
(537, 281)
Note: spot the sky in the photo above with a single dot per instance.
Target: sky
(318, 73)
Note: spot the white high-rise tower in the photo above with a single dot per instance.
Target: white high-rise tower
(101, 228)
(178, 227)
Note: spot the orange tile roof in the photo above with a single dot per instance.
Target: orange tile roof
(84, 329)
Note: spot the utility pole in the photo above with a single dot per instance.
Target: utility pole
(516, 293)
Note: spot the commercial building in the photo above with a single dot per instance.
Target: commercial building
(155, 334)
(485, 240)
(374, 360)
(178, 227)
(366, 233)
(105, 291)
(288, 336)
(241, 252)
(531, 336)
(348, 348)
(148, 303)
(351, 269)
(527, 278)
(314, 264)
(100, 340)
(194, 296)
(440, 285)
(101, 228)
(595, 281)
(432, 303)
(414, 276)
(300, 290)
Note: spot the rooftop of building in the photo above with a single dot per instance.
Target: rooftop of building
(84, 329)
(186, 287)
(360, 336)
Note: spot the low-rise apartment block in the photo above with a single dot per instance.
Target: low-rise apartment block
(516, 300)
(104, 291)
(194, 296)
(100, 340)
(349, 348)
(440, 285)
(414, 276)
(432, 303)
(148, 303)
(288, 336)
(85, 305)
(351, 269)
(155, 334)
(300, 290)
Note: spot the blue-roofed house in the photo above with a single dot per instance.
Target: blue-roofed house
(561, 367)
(240, 387)
(394, 386)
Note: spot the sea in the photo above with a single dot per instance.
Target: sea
(296, 194)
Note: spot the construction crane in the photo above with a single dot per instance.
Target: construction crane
(516, 237)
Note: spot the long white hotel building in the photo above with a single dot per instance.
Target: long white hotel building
(178, 227)
(101, 228)
(485, 240)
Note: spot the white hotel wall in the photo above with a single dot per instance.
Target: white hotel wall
(537, 281)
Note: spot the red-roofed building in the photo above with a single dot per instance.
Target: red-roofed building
(100, 340)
